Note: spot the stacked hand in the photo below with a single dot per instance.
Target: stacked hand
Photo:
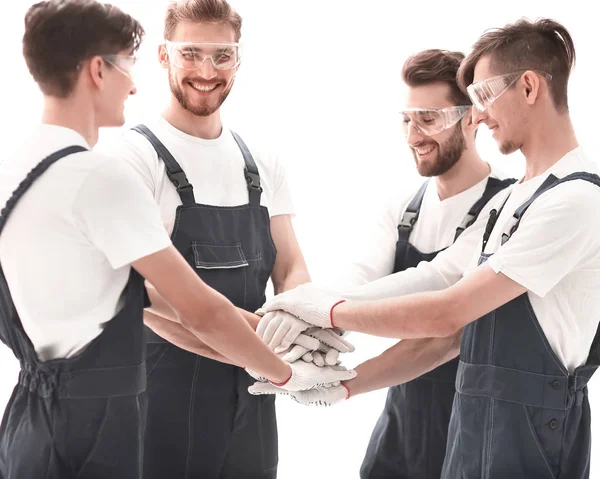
(311, 345)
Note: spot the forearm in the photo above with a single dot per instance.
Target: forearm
(403, 362)
(223, 329)
(251, 318)
(176, 334)
(419, 315)
(161, 309)
(209, 315)
(425, 277)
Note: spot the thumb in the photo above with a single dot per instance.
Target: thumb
(262, 388)
(340, 373)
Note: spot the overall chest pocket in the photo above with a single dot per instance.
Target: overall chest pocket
(222, 267)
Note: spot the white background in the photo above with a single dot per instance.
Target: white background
(320, 84)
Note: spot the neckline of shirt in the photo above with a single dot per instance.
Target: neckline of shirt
(221, 139)
(70, 136)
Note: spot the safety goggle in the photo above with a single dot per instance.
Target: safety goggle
(485, 92)
(124, 63)
(432, 121)
(191, 56)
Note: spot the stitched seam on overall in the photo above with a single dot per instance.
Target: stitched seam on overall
(245, 288)
(427, 463)
(80, 371)
(158, 360)
(53, 431)
(190, 417)
(492, 330)
(176, 224)
(480, 395)
(544, 338)
(222, 263)
(140, 443)
(488, 458)
(535, 438)
(238, 246)
(98, 439)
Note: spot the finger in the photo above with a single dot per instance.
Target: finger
(307, 358)
(276, 330)
(297, 327)
(265, 388)
(295, 353)
(331, 357)
(327, 338)
(308, 342)
(338, 373)
(312, 344)
(279, 334)
(318, 359)
(332, 339)
(260, 311)
(263, 323)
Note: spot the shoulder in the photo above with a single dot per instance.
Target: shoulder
(570, 206)
(267, 159)
(106, 175)
(130, 146)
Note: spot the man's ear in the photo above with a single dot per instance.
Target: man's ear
(96, 69)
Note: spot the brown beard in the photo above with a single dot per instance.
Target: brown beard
(448, 155)
(204, 110)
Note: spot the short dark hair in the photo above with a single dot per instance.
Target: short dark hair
(61, 34)
(432, 66)
(543, 45)
(209, 11)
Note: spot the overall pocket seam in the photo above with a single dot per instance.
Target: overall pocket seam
(537, 442)
(158, 360)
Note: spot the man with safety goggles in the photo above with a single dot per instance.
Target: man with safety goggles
(521, 309)
(409, 439)
(228, 210)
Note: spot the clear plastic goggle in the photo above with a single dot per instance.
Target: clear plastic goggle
(485, 92)
(432, 121)
(191, 56)
(124, 63)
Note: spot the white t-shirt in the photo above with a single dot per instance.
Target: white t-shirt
(215, 168)
(434, 230)
(555, 254)
(67, 246)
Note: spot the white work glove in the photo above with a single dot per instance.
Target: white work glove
(298, 351)
(330, 337)
(322, 358)
(278, 328)
(321, 396)
(308, 302)
(309, 376)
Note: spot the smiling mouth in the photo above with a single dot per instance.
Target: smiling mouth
(425, 150)
(203, 88)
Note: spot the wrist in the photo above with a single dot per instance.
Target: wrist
(282, 378)
(351, 388)
(335, 309)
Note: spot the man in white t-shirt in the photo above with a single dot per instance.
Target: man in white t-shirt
(524, 316)
(409, 439)
(228, 210)
(74, 223)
